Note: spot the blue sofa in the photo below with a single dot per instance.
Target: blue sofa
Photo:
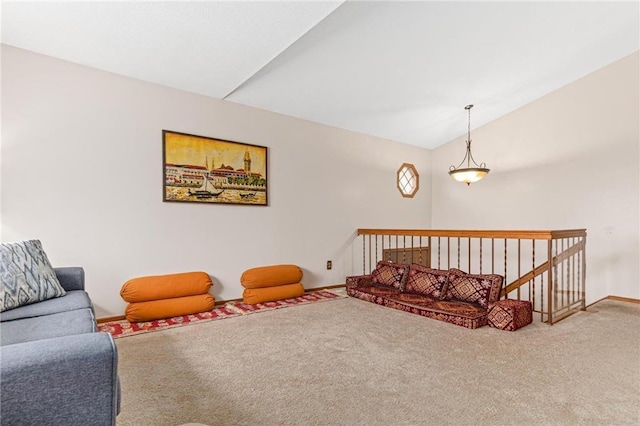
(55, 368)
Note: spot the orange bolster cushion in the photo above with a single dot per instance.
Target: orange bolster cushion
(269, 294)
(144, 289)
(270, 276)
(167, 308)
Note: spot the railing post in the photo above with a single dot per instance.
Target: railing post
(583, 306)
(551, 290)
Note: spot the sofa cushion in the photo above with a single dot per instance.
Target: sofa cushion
(271, 276)
(157, 287)
(427, 281)
(75, 299)
(390, 274)
(478, 289)
(26, 276)
(47, 327)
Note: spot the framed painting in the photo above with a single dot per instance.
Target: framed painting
(198, 169)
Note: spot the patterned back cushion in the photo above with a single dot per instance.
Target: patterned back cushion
(26, 276)
(427, 281)
(391, 274)
(478, 289)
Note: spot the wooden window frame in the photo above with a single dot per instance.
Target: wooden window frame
(401, 171)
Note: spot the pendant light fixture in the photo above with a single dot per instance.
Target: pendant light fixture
(473, 172)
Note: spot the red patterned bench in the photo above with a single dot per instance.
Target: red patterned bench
(447, 295)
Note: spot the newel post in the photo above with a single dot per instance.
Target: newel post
(550, 292)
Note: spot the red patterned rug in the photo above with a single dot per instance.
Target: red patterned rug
(125, 328)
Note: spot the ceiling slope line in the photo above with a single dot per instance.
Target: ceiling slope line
(244, 83)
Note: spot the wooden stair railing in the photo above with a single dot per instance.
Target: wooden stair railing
(555, 260)
(565, 255)
(525, 279)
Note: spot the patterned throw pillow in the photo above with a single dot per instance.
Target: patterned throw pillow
(427, 281)
(390, 274)
(26, 276)
(478, 289)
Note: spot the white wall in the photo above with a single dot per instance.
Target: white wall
(568, 160)
(81, 169)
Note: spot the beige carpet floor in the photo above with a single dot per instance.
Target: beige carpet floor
(350, 362)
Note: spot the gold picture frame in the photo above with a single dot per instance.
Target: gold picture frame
(199, 169)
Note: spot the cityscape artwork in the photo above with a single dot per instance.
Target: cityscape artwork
(199, 169)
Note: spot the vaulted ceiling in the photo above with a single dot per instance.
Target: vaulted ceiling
(398, 70)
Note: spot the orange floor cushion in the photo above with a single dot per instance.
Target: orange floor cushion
(144, 289)
(270, 276)
(269, 294)
(167, 308)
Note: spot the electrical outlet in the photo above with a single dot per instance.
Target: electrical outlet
(329, 264)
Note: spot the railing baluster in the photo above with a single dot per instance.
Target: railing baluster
(519, 272)
(469, 255)
(542, 300)
(370, 267)
(552, 271)
(404, 252)
(560, 279)
(412, 250)
(428, 259)
(505, 259)
(533, 286)
(493, 255)
(565, 285)
(584, 274)
(573, 274)
(376, 256)
(481, 255)
(364, 269)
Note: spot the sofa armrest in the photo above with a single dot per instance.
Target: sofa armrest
(70, 380)
(359, 281)
(71, 278)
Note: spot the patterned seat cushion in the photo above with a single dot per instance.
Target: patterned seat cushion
(26, 276)
(427, 281)
(390, 274)
(458, 313)
(478, 289)
(413, 299)
(461, 309)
